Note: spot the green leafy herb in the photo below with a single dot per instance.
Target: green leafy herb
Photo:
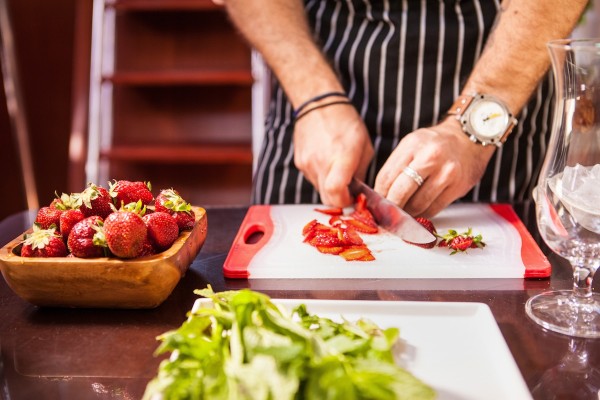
(243, 346)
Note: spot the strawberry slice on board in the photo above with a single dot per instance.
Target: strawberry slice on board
(357, 253)
(331, 211)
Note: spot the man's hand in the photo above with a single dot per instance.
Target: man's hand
(449, 163)
(331, 145)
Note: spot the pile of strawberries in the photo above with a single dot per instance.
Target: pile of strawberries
(341, 236)
(113, 222)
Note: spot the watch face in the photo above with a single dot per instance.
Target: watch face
(488, 119)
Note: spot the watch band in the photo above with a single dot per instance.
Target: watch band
(460, 106)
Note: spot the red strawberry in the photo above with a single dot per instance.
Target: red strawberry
(427, 224)
(357, 253)
(43, 243)
(56, 203)
(309, 227)
(162, 229)
(185, 219)
(330, 249)
(48, 216)
(125, 234)
(125, 192)
(431, 228)
(330, 211)
(86, 239)
(461, 242)
(326, 238)
(350, 236)
(94, 200)
(68, 219)
(147, 249)
(169, 201)
(361, 225)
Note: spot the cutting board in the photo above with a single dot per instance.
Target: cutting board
(269, 245)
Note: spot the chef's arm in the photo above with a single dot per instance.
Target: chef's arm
(278, 29)
(515, 56)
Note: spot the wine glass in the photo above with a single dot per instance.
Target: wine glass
(572, 378)
(567, 195)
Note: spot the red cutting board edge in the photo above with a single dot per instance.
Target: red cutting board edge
(258, 221)
(536, 263)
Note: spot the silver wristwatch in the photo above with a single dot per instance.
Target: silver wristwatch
(484, 118)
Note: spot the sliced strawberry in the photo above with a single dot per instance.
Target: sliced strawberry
(325, 239)
(364, 216)
(427, 224)
(331, 211)
(351, 237)
(360, 202)
(361, 226)
(330, 249)
(337, 221)
(357, 253)
(309, 227)
(317, 228)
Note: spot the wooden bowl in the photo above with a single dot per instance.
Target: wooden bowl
(143, 282)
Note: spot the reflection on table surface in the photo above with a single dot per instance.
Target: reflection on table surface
(90, 354)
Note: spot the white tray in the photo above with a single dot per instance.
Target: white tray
(457, 348)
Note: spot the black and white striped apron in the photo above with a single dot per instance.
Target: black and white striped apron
(402, 64)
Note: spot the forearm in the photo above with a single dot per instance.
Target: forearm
(516, 57)
(278, 29)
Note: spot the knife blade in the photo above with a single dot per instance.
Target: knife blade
(391, 217)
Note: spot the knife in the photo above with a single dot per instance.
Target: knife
(391, 217)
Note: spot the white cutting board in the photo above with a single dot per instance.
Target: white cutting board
(280, 253)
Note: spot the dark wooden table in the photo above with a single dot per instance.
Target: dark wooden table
(108, 354)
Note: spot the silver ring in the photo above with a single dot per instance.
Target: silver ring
(414, 175)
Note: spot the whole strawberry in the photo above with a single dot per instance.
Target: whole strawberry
(86, 239)
(94, 200)
(125, 234)
(68, 219)
(162, 229)
(169, 201)
(125, 192)
(48, 216)
(43, 243)
(148, 248)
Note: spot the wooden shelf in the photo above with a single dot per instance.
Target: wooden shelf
(149, 5)
(183, 154)
(174, 95)
(168, 78)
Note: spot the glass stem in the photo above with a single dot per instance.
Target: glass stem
(583, 275)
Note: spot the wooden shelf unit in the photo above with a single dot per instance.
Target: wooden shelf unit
(171, 86)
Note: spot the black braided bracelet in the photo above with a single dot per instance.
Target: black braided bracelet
(323, 105)
(302, 106)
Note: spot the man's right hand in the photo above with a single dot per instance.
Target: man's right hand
(332, 145)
